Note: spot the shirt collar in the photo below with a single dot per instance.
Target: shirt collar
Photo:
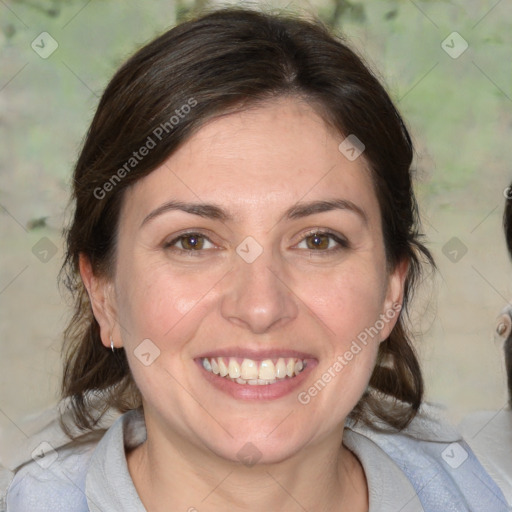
(109, 485)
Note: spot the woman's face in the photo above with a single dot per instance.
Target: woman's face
(255, 249)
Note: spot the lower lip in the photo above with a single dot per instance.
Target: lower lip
(280, 389)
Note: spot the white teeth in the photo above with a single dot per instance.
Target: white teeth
(280, 368)
(267, 370)
(254, 373)
(290, 367)
(222, 367)
(207, 365)
(249, 369)
(233, 368)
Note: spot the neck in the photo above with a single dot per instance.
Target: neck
(173, 474)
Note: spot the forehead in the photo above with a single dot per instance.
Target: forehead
(257, 161)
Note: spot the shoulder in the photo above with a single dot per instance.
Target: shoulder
(438, 462)
(47, 471)
(389, 489)
(53, 481)
(489, 434)
(72, 476)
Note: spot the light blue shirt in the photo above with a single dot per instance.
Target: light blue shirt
(427, 467)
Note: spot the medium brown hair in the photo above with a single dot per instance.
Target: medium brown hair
(224, 60)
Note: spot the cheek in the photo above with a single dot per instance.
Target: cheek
(349, 305)
(347, 302)
(166, 307)
(160, 302)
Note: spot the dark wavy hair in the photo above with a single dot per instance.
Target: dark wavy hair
(507, 218)
(507, 224)
(228, 59)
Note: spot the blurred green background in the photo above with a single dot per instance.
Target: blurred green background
(459, 111)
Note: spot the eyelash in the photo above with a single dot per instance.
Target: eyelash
(341, 241)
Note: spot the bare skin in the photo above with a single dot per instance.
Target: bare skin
(196, 294)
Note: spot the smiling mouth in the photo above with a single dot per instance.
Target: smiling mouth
(253, 372)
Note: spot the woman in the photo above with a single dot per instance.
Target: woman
(244, 240)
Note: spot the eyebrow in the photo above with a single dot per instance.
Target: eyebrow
(297, 211)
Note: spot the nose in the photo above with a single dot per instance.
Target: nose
(259, 296)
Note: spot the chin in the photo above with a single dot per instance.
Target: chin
(260, 444)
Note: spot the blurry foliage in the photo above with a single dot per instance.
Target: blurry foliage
(345, 10)
(333, 13)
(51, 8)
(399, 38)
(185, 9)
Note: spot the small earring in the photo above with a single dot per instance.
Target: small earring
(111, 343)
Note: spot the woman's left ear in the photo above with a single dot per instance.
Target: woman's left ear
(394, 297)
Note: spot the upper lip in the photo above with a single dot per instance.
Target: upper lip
(256, 355)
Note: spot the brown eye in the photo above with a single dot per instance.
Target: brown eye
(323, 242)
(318, 241)
(189, 242)
(192, 242)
